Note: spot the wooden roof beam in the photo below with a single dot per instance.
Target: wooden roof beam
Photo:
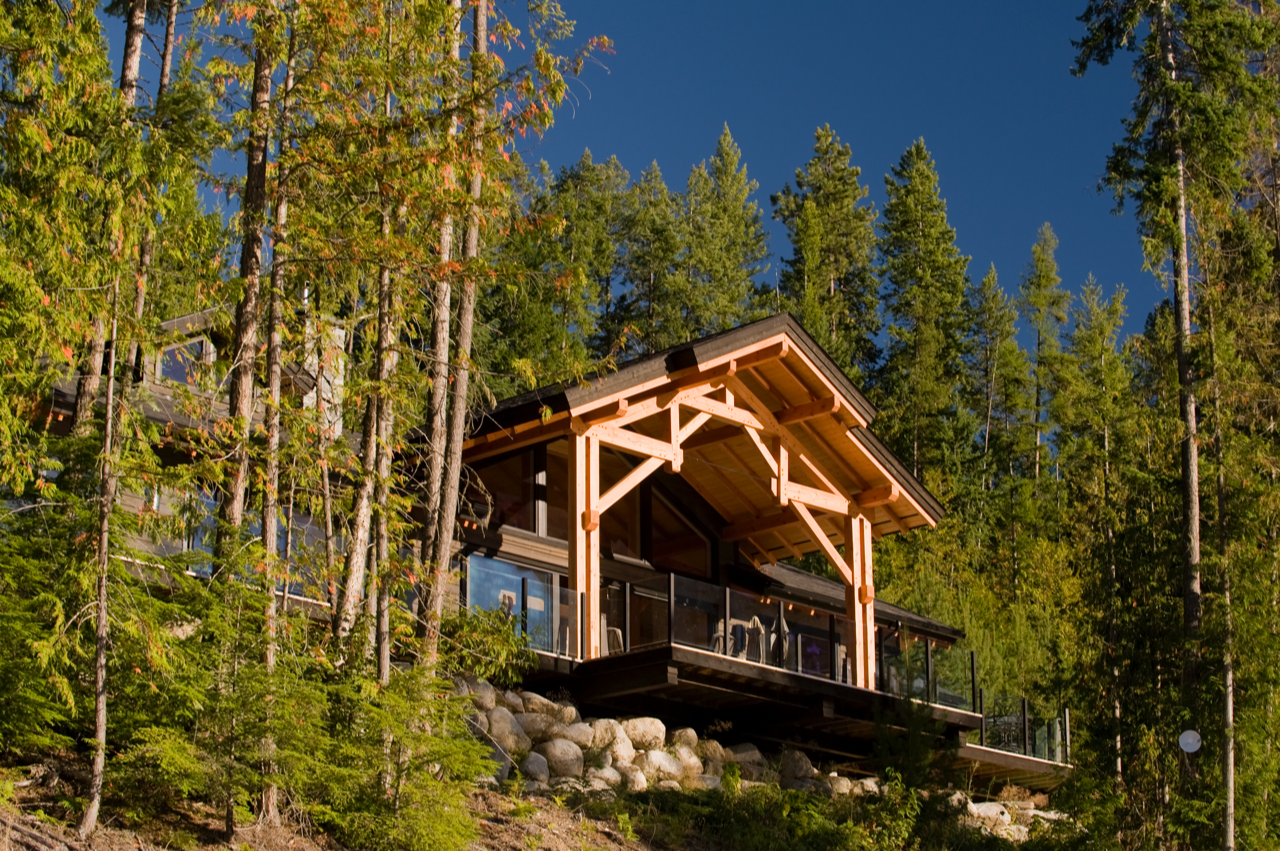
(819, 537)
(627, 483)
(895, 519)
(711, 436)
(808, 411)
(757, 525)
(877, 497)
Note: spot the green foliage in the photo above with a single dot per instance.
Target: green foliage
(486, 644)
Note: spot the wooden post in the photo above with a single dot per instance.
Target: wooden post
(867, 604)
(854, 642)
(584, 536)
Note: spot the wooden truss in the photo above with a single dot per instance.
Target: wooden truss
(766, 440)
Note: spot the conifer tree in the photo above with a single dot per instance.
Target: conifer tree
(653, 311)
(1043, 304)
(725, 247)
(923, 277)
(829, 282)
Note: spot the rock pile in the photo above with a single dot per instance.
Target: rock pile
(555, 748)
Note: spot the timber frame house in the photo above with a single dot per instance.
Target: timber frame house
(638, 523)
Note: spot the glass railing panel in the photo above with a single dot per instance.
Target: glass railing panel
(1003, 722)
(649, 612)
(753, 621)
(902, 666)
(567, 628)
(806, 640)
(613, 617)
(699, 615)
(953, 683)
(845, 658)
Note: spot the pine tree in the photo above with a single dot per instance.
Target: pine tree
(725, 241)
(924, 279)
(1043, 304)
(652, 313)
(829, 282)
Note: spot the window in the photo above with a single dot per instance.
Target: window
(558, 489)
(677, 545)
(180, 363)
(620, 525)
(504, 493)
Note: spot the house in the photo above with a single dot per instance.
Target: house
(638, 526)
(641, 528)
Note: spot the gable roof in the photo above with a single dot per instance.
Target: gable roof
(774, 382)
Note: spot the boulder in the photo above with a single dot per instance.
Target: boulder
(646, 734)
(683, 736)
(710, 749)
(609, 735)
(568, 784)
(535, 767)
(483, 695)
(795, 766)
(690, 765)
(502, 764)
(568, 713)
(668, 786)
(814, 785)
(865, 786)
(580, 734)
(703, 781)
(1013, 832)
(460, 687)
(538, 703)
(634, 778)
(841, 785)
(506, 732)
(512, 701)
(1045, 815)
(539, 727)
(959, 799)
(991, 813)
(479, 723)
(604, 759)
(564, 758)
(710, 766)
(657, 765)
(744, 754)
(599, 788)
(532, 786)
(758, 773)
(609, 776)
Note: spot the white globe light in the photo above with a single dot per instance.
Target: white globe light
(1189, 741)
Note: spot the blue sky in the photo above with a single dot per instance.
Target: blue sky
(1017, 139)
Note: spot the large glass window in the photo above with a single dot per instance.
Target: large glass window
(558, 489)
(677, 545)
(620, 525)
(179, 363)
(504, 493)
(494, 584)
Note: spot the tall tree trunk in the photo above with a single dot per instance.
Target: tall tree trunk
(166, 56)
(253, 208)
(106, 503)
(90, 378)
(269, 811)
(434, 610)
(135, 30)
(1192, 603)
(448, 514)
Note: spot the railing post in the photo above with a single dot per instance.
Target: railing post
(882, 675)
(626, 615)
(1066, 731)
(831, 646)
(928, 670)
(982, 710)
(671, 609)
(462, 587)
(780, 654)
(1026, 728)
(524, 606)
(725, 632)
(973, 680)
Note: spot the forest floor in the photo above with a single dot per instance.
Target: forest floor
(504, 823)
